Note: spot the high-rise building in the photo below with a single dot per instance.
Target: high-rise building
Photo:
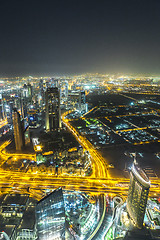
(17, 217)
(53, 111)
(66, 89)
(32, 118)
(18, 127)
(137, 195)
(2, 109)
(50, 217)
(29, 87)
(27, 91)
(41, 88)
(82, 102)
(55, 82)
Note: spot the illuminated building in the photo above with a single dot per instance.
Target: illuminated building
(66, 89)
(32, 118)
(137, 195)
(17, 213)
(1, 106)
(27, 91)
(2, 109)
(50, 217)
(18, 127)
(55, 82)
(82, 98)
(53, 111)
(27, 135)
(82, 101)
(29, 86)
(41, 87)
(73, 96)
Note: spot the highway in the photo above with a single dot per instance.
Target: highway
(3, 123)
(99, 165)
(11, 181)
(18, 181)
(98, 182)
(37, 185)
(4, 155)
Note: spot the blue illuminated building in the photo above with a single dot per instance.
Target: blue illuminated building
(50, 217)
(32, 118)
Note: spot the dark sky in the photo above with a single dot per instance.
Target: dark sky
(64, 36)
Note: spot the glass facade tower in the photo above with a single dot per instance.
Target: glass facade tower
(137, 195)
(50, 217)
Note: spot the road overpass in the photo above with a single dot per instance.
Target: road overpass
(98, 182)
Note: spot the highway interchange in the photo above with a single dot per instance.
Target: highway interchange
(37, 184)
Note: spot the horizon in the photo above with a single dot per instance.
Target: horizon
(75, 38)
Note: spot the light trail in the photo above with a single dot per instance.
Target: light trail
(95, 184)
(4, 155)
(3, 123)
(100, 222)
(98, 163)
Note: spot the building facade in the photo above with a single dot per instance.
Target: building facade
(18, 127)
(137, 195)
(50, 217)
(53, 111)
(83, 107)
(66, 89)
(27, 91)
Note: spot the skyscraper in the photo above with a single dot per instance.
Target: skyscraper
(29, 87)
(2, 109)
(50, 217)
(53, 111)
(27, 91)
(137, 195)
(66, 89)
(41, 88)
(18, 127)
(82, 102)
(55, 82)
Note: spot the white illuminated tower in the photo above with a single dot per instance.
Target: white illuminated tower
(137, 195)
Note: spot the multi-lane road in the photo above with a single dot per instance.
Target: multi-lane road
(39, 183)
(36, 184)
(3, 123)
(99, 165)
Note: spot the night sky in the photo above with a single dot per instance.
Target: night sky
(72, 37)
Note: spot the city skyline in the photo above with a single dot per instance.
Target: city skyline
(82, 134)
(79, 120)
(68, 37)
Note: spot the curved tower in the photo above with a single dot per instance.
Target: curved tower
(137, 195)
